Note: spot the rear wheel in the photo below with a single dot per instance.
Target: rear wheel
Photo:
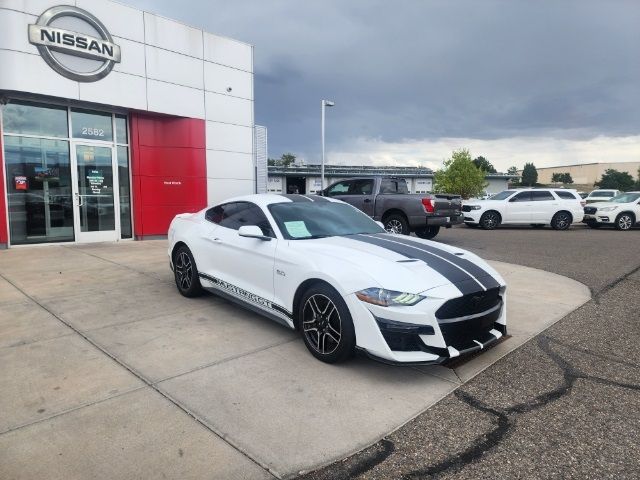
(185, 273)
(427, 232)
(625, 221)
(561, 221)
(490, 220)
(326, 324)
(396, 223)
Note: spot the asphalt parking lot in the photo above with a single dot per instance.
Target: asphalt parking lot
(564, 405)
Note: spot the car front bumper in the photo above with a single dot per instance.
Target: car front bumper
(472, 216)
(413, 335)
(600, 218)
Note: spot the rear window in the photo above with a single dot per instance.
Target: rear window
(566, 195)
(596, 193)
(393, 185)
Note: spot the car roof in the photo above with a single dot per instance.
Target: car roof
(265, 199)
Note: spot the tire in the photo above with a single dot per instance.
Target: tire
(561, 221)
(326, 325)
(625, 221)
(537, 225)
(427, 232)
(396, 223)
(185, 273)
(490, 220)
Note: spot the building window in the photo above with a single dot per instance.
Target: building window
(30, 119)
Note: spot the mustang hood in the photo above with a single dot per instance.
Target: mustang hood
(401, 263)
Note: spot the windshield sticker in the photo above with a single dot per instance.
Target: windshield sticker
(297, 229)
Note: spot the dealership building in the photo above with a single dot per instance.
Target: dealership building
(113, 120)
(308, 179)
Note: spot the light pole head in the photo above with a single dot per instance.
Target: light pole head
(328, 103)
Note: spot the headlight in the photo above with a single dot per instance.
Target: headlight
(387, 298)
(474, 207)
(607, 209)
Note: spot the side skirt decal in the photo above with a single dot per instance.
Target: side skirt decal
(236, 293)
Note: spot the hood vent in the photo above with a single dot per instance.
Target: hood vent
(408, 260)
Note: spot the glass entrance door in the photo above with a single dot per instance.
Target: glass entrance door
(94, 193)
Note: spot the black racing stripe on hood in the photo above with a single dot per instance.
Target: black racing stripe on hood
(462, 280)
(477, 272)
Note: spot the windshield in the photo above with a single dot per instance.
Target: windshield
(305, 220)
(600, 193)
(626, 198)
(502, 195)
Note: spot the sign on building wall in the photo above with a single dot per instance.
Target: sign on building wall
(274, 185)
(423, 185)
(61, 36)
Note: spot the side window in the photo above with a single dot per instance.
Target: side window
(220, 212)
(564, 195)
(341, 188)
(255, 216)
(521, 197)
(541, 195)
(361, 187)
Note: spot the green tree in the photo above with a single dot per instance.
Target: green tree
(272, 162)
(284, 161)
(460, 176)
(529, 175)
(616, 180)
(512, 170)
(484, 164)
(562, 178)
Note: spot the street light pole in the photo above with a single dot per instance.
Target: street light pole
(325, 103)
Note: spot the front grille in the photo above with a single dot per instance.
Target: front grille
(590, 210)
(466, 208)
(464, 334)
(469, 304)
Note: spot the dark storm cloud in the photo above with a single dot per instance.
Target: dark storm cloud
(429, 69)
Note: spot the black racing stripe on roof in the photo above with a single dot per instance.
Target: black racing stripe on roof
(295, 197)
(462, 280)
(484, 277)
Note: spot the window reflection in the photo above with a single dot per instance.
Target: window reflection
(91, 125)
(28, 119)
(125, 192)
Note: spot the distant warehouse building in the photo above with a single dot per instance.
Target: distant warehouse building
(587, 174)
(306, 179)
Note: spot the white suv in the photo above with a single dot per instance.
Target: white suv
(622, 211)
(532, 206)
(603, 195)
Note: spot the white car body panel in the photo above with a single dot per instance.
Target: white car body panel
(606, 212)
(265, 275)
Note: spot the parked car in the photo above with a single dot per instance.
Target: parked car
(536, 207)
(603, 195)
(388, 200)
(325, 269)
(622, 211)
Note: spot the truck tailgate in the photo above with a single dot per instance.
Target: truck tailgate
(447, 205)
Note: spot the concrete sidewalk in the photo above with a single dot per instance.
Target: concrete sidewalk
(109, 373)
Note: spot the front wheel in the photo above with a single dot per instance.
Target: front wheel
(185, 273)
(326, 324)
(561, 221)
(625, 221)
(490, 220)
(427, 232)
(396, 223)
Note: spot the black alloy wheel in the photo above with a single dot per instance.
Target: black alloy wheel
(396, 223)
(561, 221)
(185, 273)
(490, 220)
(625, 221)
(326, 325)
(427, 232)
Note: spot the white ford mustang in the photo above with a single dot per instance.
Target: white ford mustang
(323, 267)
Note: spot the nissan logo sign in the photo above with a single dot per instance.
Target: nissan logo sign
(74, 43)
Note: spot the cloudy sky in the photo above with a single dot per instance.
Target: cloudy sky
(552, 81)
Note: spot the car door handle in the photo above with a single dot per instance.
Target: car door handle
(367, 200)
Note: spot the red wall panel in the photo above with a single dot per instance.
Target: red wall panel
(4, 230)
(168, 167)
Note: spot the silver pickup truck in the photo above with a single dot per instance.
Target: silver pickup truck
(387, 199)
